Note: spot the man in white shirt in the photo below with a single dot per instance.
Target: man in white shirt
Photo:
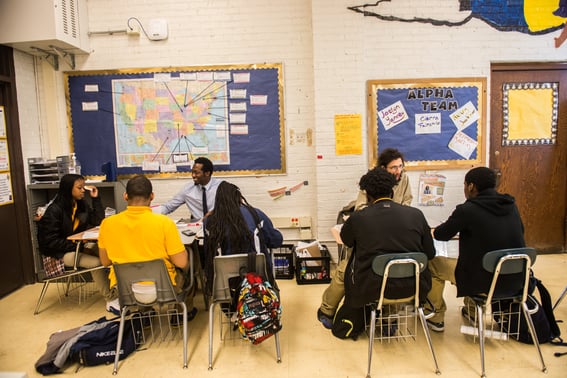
(192, 194)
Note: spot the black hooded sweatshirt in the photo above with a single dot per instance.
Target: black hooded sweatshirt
(485, 223)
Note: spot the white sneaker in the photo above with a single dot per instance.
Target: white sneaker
(113, 306)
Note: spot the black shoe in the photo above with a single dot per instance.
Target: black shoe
(436, 326)
(326, 320)
(177, 319)
(389, 328)
(145, 318)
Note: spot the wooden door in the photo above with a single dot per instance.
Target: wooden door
(536, 175)
(17, 267)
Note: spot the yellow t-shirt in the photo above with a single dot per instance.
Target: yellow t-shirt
(138, 234)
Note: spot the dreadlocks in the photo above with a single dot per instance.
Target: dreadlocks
(226, 225)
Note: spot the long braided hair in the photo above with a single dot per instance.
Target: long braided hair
(226, 226)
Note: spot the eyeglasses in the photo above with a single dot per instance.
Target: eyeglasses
(395, 167)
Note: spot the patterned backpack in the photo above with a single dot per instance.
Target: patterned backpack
(258, 309)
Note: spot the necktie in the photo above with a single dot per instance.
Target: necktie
(205, 207)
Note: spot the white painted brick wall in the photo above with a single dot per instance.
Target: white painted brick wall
(328, 54)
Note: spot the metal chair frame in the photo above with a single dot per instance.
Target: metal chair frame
(68, 276)
(226, 267)
(502, 262)
(154, 271)
(398, 265)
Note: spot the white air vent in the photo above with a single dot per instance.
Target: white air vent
(39, 26)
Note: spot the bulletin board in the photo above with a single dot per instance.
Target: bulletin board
(157, 121)
(435, 123)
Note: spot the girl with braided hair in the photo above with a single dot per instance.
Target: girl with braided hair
(234, 226)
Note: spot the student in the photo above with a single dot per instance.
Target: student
(486, 221)
(236, 227)
(192, 194)
(138, 234)
(383, 227)
(69, 214)
(392, 161)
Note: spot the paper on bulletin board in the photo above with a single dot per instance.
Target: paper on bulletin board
(2, 123)
(348, 134)
(4, 159)
(6, 196)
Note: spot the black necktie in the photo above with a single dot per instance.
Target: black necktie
(205, 208)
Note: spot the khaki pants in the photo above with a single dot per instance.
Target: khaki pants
(335, 292)
(100, 277)
(442, 269)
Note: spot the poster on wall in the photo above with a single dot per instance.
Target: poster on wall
(348, 134)
(431, 190)
(435, 123)
(2, 123)
(6, 196)
(4, 158)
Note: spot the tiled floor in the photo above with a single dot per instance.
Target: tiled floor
(308, 350)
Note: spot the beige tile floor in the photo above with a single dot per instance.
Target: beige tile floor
(308, 350)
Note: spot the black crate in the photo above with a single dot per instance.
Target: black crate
(283, 262)
(313, 270)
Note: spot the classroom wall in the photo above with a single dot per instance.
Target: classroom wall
(328, 54)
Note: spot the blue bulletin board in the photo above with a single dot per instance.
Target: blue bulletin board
(157, 121)
(435, 123)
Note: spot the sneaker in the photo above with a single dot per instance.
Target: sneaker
(176, 320)
(436, 326)
(468, 317)
(326, 320)
(113, 306)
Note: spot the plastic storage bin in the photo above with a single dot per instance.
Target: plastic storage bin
(283, 262)
(315, 269)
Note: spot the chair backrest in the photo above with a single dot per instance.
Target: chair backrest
(226, 267)
(506, 262)
(144, 283)
(400, 264)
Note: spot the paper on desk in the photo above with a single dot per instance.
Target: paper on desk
(440, 248)
(91, 234)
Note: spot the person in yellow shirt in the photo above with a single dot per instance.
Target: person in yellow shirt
(138, 234)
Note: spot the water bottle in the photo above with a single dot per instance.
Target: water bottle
(74, 165)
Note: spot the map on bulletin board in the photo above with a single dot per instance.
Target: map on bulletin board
(157, 121)
(435, 123)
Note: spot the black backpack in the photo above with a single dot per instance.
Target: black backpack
(99, 346)
(348, 322)
(544, 321)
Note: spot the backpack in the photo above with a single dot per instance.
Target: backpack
(99, 346)
(91, 344)
(348, 322)
(544, 321)
(258, 309)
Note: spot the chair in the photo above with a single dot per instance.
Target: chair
(147, 286)
(69, 277)
(505, 262)
(226, 267)
(398, 265)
